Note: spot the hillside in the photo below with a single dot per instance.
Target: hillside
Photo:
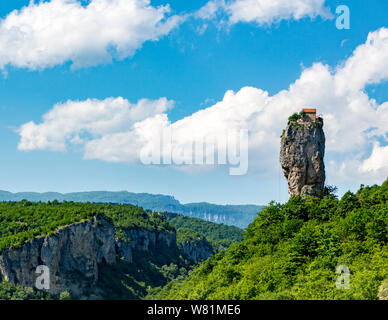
(237, 215)
(219, 235)
(23, 221)
(82, 244)
(96, 251)
(292, 251)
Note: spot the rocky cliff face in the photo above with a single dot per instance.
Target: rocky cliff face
(144, 240)
(74, 253)
(197, 251)
(76, 249)
(301, 157)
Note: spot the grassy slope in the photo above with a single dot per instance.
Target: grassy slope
(292, 251)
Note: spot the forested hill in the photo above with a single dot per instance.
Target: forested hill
(298, 250)
(132, 251)
(219, 235)
(237, 215)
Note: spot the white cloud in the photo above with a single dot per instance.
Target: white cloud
(46, 34)
(354, 122)
(78, 122)
(210, 9)
(264, 12)
(125, 146)
(87, 33)
(368, 65)
(377, 162)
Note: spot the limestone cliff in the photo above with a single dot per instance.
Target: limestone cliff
(301, 157)
(74, 253)
(196, 251)
(145, 241)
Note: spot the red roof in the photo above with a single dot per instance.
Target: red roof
(310, 110)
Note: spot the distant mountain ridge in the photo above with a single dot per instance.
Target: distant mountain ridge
(236, 215)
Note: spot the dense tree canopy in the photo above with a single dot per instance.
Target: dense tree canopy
(25, 220)
(10, 291)
(292, 251)
(220, 236)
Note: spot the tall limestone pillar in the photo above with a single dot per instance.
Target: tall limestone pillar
(301, 157)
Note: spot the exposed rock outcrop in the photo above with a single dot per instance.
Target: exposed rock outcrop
(301, 157)
(144, 240)
(74, 253)
(74, 250)
(196, 251)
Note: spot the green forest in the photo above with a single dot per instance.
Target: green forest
(220, 236)
(23, 221)
(292, 251)
(239, 215)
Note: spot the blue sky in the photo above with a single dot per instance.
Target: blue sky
(194, 64)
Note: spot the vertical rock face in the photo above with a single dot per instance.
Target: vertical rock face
(197, 251)
(74, 253)
(144, 240)
(73, 250)
(301, 157)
